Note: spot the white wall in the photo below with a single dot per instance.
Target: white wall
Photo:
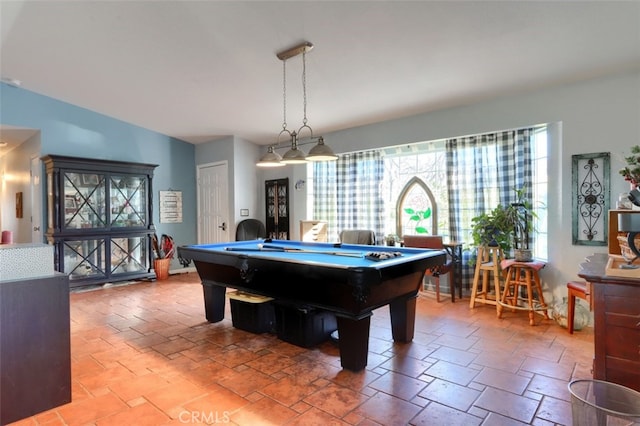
(601, 115)
(244, 188)
(245, 156)
(15, 177)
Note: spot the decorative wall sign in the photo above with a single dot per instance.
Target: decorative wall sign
(590, 198)
(170, 206)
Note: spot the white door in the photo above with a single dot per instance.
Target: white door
(36, 200)
(213, 203)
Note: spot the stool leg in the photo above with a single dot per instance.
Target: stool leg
(505, 292)
(527, 274)
(543, 304)
(474, 286)
(571, 311)
(516, 287)
(496, 284)
(485, 284)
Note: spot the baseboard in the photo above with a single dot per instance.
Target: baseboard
(182, 270)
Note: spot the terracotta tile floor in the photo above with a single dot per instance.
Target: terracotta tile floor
(143, 354)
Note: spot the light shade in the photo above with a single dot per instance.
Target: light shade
(270, 159)
(294, 156)
(321, 152)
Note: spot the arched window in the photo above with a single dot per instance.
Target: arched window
(417, 197)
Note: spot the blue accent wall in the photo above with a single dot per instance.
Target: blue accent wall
(66, 129)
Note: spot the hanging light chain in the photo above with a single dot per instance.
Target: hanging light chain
(304, 86)
(284, 94)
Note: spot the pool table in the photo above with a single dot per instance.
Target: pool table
(347, 279)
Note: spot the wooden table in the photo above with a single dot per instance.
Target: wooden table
(454, 249)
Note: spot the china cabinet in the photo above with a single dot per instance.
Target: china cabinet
(99, 218)
(277, 208)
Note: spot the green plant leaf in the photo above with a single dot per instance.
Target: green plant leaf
(415, 217)
(427, 213)
(409, 210)
(421, 230)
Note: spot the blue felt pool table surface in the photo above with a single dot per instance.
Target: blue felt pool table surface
(322, 254)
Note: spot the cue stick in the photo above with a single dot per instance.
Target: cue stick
(301, 250)
(375, 256)
(267, 247)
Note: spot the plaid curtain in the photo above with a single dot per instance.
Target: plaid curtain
(485, 170)
(325, 195)
(347, 193)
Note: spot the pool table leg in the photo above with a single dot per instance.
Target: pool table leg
(403, 318)
(214, 299)
(354, 342)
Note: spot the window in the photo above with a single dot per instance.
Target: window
(421, 170)
(540, 190)
(421, 164)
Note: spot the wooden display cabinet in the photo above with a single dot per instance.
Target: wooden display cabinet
(99, 218)
(277, 208)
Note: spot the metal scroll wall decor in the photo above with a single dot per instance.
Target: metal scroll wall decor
(590, 197)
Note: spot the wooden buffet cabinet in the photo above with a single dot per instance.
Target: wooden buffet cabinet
(616, 307)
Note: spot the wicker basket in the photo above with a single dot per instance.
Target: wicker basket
(161, 266)
(625, 251)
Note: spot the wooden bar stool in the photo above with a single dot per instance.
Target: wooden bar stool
(576, 289)
(487, 262)
(523, 274)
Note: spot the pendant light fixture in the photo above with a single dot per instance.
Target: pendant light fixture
(321, 151)
(272, 158)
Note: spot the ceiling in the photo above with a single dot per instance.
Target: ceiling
(201, 70)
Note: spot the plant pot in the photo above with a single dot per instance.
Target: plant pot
(523, 255)
(161, 266)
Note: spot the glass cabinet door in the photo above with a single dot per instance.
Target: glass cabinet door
(84, 200)
(84, 259)
(129, 254)
(128, 201)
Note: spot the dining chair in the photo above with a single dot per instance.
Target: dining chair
(358, 236)
(433, 242)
